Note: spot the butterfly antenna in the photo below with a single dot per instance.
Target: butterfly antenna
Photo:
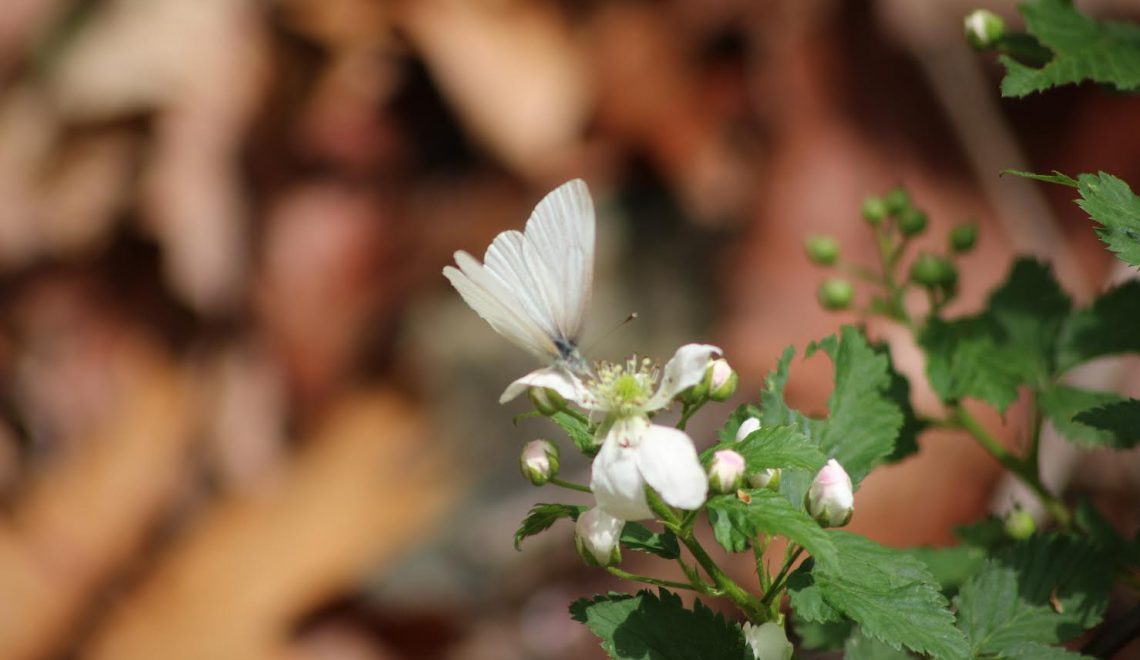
(632, 317)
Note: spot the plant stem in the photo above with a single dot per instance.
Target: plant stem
(657, 582)
(569, 484)
(1024, 470)
(790, 555)
(724, 584)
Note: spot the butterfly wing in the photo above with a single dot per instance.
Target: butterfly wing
(534, 286)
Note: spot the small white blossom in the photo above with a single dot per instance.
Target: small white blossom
(768, 641)
(830, 499)
(596, 535)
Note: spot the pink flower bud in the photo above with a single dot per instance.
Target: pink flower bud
(726, 471)
(539, 461)
(830, 499)
(722, 380)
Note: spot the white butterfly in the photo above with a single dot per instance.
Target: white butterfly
(533, 286)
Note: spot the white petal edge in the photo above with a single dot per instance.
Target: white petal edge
(615, 477)
(557, 378)
(669, 463)
(685, 369)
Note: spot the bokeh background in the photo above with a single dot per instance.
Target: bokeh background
(242, 415)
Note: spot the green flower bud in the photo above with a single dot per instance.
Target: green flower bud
(539, 461)
(912, 221)
(984, 29)
(874, 210)
(720, 380)
(896, 200)
(1019, 524)
(822, 250)
(932, 271)
(836, 293)
(963, 237)
(546, 400)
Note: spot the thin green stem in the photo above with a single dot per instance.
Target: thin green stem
(860, 273)
(569, 484)
(759, 546)
(657, 582)
(724, 584)
(687, 411)
(790, 555)
(1024, 470)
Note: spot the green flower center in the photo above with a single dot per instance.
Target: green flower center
(624, 389)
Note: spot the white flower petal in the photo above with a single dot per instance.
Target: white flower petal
(685, 369)
(556, 377)
(669, 463)
(615, 479)
(599, 533)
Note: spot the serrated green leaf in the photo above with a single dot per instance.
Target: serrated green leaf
(952, 566)
(542, 516)
(821, 635)
(1012, 343)
(862, 647)
(891, 595)
(1045, 590)
(863, 421)
(1059, 178)
(735, 523)
(1121, 420)
(1103, 535)
(1061, 402)
(774, 410)
(1107, 327)
(1110, 202)
(1083, 49)
(779, 447)
(646, 626)
(807, 597)
(899, 392)
(578, 431)
(639, 537)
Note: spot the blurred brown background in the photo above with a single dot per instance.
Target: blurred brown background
(243, 415)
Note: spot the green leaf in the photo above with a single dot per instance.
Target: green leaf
(807, 597)
(862, 647)
(1009, 603)
(899, 392)
(1107, 327)
(1061, 402)
(1120, 419)
(542, 516)
(952, 566)
(1012, 343)
(638, 537)
(658, 627)
(1110, 202)
(1030, 307)
(988, 534)
(736, 522)
(821, 635)
(1059, 178)
(863, 421)
(779, 447)
(891, 595)
(1084, 49)
(1102, 534)
(579, 432)
(774, 410)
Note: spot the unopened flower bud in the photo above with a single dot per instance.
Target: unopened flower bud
(836, 293)
(822, 250)
(721, 380)
(726, 471)
(874, 210)
(963, 237)
(747, 428)
(546, 400)
(932, 271)
(984, 29)
(830, 499)
(1019, 524)
(896, 200)
(597, 535)
(768, 641)
(539, 461)
(768, 478)
(912, 221)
